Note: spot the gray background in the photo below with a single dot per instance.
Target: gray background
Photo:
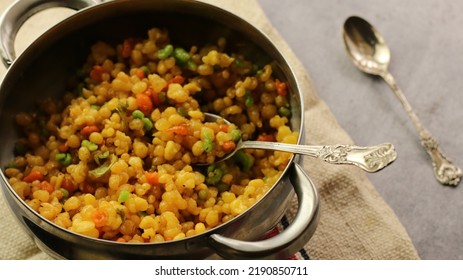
(426, 42)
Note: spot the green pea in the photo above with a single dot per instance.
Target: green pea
(165, 52)
(284, 112)
(190, 65)
(182, 111)
(181, 55)
(138, 114)
(208, 142)
(215, 176)
(208, 145)
(89, 145)
(123, 196)
(244, 160)
(148, 124)
(63, 158)
(60, 156)
(64, 192)
(211, 168)
(145, 70)
(235, 134)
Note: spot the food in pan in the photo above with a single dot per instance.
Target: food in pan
(116, 157)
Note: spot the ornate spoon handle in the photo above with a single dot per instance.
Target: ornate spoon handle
(445, 171)
(370, 159)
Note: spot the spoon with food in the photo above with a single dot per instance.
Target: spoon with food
(369, 52)
(370, 159)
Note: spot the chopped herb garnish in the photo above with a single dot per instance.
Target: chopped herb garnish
(103, 169)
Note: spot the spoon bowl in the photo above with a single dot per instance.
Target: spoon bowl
(368, 51)
(370, 159)
(366, 47)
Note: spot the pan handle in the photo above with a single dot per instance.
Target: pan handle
(21, 10)
(287, 242)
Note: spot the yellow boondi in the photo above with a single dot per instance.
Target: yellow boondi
(115, 157)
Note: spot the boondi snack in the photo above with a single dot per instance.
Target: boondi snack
(115, 158)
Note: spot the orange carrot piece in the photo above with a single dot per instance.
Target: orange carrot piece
(96, 72)
(68, 185)
(87, 130)
(177, 79)
(44, 185)
(154, 96)
(63, 147)
(180, 130)
(85, 187)
(99, 217)
(152, 178)
(127, 47)
(281, 88)
(140, 73)
(266, 137)
(33, 176)
(228, 146)
(144, 104)
(223, 127)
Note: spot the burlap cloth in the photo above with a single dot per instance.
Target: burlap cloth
(355, 221)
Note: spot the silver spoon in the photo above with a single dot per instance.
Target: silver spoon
(370, 159)
(369, 52)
